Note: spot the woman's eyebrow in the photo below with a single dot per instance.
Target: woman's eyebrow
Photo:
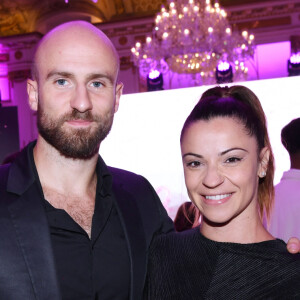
(192, 154)
(231, 149)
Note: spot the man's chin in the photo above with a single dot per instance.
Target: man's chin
(75, 144)
(78, 152)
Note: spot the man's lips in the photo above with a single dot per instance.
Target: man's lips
(79, 122)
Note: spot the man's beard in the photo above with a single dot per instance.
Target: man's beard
(80, 143)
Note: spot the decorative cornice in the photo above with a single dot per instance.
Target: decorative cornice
(19, 76)
(126, 63)
(25, 41)
(262, 11)
(149, 6)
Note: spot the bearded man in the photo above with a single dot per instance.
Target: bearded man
(71, 227)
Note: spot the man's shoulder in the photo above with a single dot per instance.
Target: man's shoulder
(126, 177)
(121, 172)
(133, 183)
(288, 185)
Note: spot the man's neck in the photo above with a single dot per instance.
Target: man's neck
(295, 161)
(64, 174)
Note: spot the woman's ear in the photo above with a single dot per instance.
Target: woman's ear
(263, 162)
(32, 92)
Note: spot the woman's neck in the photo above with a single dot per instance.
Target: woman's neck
(238, 230)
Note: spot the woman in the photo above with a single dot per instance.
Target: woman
(229, 168)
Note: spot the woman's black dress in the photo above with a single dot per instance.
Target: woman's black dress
(187, 266)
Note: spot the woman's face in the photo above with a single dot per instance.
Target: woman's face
(222, 168)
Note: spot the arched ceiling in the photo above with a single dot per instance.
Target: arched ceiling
(24, 16)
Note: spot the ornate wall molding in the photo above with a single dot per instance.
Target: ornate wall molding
(19, 76)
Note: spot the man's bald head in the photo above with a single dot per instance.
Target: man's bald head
(73, 33)
(75, 89)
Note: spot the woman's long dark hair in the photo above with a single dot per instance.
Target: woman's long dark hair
(242, 104)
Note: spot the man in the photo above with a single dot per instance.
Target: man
(285, 221)
(71, 227)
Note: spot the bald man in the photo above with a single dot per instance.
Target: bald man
(71, 227)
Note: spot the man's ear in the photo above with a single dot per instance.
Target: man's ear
(32, 92)
(264, 160)
(119, 90)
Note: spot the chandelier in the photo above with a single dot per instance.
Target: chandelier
(95, 1)
(193, 37)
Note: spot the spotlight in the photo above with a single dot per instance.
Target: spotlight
(155, 81)
(224, 72)
(294, 65)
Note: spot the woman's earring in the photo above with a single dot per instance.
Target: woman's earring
(263, 174)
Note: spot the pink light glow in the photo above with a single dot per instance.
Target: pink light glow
(295, 58)
(223, 66)
(4, 82)
(4, 89)
(154, 74)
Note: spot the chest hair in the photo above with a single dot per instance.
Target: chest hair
(80, 209)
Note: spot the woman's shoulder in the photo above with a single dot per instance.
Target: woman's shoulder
(176, 237)
(185, 244)
(266, 249)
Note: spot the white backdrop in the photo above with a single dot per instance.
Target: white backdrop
(145, 134)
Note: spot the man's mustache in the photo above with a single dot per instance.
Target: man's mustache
(77, 115)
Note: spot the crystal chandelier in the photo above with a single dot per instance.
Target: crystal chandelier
(193, 37)
(95, 1)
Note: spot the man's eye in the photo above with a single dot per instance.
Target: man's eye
(61, 82)
(96, 84)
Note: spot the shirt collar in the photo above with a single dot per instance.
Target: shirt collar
(104, 177)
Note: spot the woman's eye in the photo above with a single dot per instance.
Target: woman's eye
(193, 164)
(233, 160)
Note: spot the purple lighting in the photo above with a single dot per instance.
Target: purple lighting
(295, 58)
(224, 72)
(154, 74)
(223, 66)
(294, 65)
(155, 81)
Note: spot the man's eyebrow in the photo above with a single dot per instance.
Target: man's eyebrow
(93, 76)
(192, 154)
(58, 73)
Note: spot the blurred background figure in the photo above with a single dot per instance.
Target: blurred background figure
(285, 221)
(187, 217)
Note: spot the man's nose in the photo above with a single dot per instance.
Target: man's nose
(212, 177)
(81, 100)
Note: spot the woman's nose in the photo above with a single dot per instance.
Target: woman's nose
(212, 177)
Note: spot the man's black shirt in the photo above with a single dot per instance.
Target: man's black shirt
(96, 268)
